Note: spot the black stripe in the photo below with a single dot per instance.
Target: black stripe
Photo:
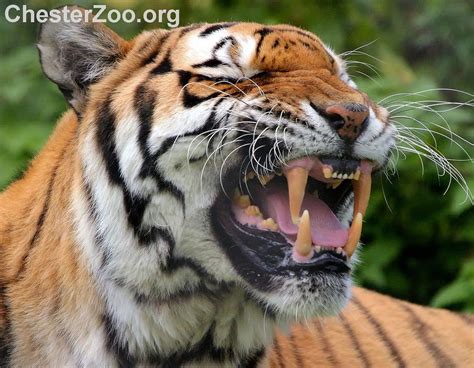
(42, 216)
(214, 28)
(135, 206)
(204, 348)
(379, 134)
(263, 33)
(355, 342)
(422, 330)
(253, 360)
(190, 100)
(114, 344)
(211, 63)
(157, 49)
(277, 351)
(307, 45)
(210, 123)
(163, 67)
(177, 263)
(301, 33)
(180, 296)
(145, 101)
(294, 347)
(381, 333)
(98, 239)
(106, 142)
(327, 349)
(184, 77)
(151, 58)
(222, 42)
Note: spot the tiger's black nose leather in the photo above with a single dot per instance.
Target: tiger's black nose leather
(348, 120)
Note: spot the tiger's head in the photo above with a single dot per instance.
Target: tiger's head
(240, 150)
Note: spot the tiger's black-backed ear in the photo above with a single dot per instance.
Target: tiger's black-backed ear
(76, 55)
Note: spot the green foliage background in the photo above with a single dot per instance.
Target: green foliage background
(419, 241)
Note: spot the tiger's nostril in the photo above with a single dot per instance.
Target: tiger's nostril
(348, 120)
(336, 121)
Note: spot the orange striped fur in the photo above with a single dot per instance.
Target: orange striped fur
(375, 330)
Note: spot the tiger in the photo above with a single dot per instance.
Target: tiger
(204, 192)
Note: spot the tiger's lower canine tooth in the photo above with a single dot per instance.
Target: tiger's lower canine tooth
(362, 188)
(354, 235)
(297, 177)
(303, 241)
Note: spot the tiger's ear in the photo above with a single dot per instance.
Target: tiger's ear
(76, 55)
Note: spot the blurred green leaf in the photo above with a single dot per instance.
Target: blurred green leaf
(460, 292)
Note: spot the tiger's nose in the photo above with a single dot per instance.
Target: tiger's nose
(348, 120)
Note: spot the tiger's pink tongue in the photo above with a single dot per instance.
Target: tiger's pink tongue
(326, 229)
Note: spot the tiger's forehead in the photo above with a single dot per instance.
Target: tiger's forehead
(248, 48)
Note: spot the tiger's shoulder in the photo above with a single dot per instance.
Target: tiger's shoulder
(376, 330)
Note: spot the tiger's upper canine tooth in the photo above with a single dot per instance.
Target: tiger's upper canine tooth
(357, 174)
(362, 188)
(297, 177)
(327, 171)
(354, 235)
(303, 243)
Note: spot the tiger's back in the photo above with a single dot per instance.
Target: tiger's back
(376, 330)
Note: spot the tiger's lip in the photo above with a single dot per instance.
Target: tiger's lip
(331, 171)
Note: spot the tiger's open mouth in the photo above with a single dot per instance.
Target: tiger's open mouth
(291, 219)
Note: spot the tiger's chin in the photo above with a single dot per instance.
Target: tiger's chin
(289, 236)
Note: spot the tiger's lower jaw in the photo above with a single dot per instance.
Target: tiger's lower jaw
(298, 265)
